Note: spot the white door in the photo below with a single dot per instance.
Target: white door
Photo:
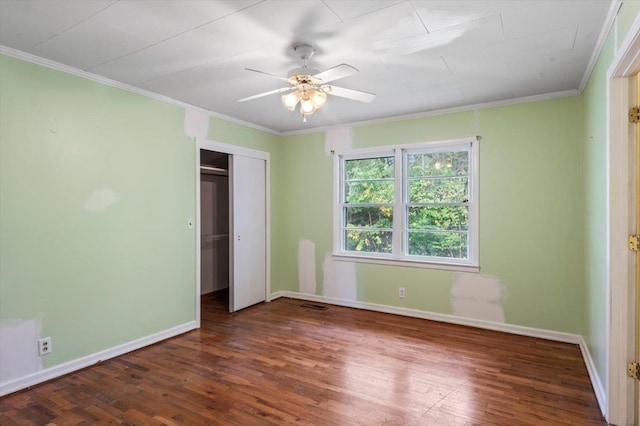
(248, 224)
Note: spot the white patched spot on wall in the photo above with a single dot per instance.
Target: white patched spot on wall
(196, 124)
(478, 296)
(339, 279)
(306, 267)
(19, 348)
(338, 140)
(100, 200)
(475, 122)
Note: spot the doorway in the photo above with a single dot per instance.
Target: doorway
(237, 180)
(214, 226)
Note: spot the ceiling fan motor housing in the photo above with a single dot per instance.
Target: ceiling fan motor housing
(302, 72)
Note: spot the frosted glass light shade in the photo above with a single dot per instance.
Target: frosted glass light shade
(307, 107)
(318, 98)
(290, 100)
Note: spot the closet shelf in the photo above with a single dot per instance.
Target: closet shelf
(207, 240)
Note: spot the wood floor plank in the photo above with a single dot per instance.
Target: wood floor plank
(280, 363)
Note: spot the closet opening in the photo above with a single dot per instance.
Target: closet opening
(214, 229)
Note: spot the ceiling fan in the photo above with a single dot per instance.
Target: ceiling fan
(309, 87)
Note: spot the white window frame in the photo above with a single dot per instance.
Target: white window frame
(399, 255)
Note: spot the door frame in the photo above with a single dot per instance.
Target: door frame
(621, 266)
(245, 152)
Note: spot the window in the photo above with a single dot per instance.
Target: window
(414, 203)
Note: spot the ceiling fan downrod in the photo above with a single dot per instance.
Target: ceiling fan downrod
(305, 52)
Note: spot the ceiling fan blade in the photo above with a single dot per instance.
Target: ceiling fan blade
(266, 73)
(270, 92)
(337, 72)
(356, 95)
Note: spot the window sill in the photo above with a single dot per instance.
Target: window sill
(406, 263)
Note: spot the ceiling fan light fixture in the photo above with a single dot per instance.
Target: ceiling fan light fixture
(308, 87)
(318, 98)
(290, 100)
(307, 107)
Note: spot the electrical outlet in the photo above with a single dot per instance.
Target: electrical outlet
(402, 292)
(44, 346)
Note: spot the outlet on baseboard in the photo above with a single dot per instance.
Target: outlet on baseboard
(402, 292)
(44, 346)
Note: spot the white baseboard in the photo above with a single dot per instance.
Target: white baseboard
(452, 319)
(601, 395)
(277, 294)
(86, 361)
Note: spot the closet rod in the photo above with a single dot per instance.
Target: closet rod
(214, 170)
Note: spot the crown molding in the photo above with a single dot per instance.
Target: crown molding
(28, 57)
(464, 108)
(614, 8)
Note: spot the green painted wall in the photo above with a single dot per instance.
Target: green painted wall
(95, 274)
(595, 191)
(530, 210)
(309, 212)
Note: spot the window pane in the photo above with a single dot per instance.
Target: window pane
(452, 245)
(369, 192)
(370, 168)
(369, 217)
(439, 190)
(441, 218)
(368, 241)
(438, 164)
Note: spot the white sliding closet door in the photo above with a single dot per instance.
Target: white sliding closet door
(248, 243)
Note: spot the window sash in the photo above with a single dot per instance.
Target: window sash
(400, 230)
(407, 231)
(344, 205)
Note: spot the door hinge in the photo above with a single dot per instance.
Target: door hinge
(633, 370)
(634, 115)
(634, 242)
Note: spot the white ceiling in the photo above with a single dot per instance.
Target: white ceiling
(417, 55)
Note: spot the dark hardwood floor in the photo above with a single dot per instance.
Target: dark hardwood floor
(280, 363)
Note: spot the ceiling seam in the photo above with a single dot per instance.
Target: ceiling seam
(174, 36)
(332, 11)
(75, 25)
(444, 61)
(413, 6)
(195, 67)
